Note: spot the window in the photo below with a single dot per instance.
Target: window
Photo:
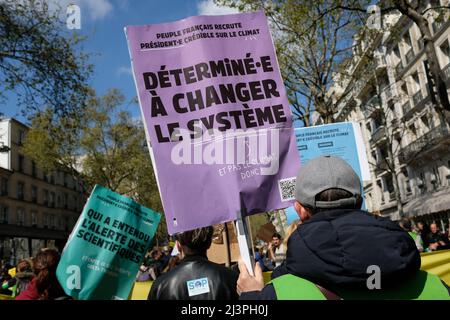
(34, 193)
(66, 223)
(408, 190)
(33, 169)
(4, 214)
(20, 189)
(377, 121)
(407, 39)
(20, 217)
(392, 109)
(413, 130)
(415, 77)
(435, 178)
(445, 57)
(445, 48)
(448, 173)
(383, 153)
(4, 187)
(66, 183)
(52, 199)
(404, 88)
(34, 218)
(381, 191)
(45, 220)
(52, 221)
(52, 179)
(21, 136)
(66, 200)
(374, 156)
(21, 161)
(425, 121)
(390, 187)
(45, 197)
(74, 202)
(421, 183)
(396, 52)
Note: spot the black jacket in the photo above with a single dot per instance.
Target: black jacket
(173, 285)
(334, 248)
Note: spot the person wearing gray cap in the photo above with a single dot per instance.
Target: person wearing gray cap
(341, 251)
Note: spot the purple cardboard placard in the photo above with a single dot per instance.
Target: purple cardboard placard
(218, 73)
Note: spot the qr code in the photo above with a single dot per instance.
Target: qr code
(287, 188)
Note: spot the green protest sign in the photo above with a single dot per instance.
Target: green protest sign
(106, 247)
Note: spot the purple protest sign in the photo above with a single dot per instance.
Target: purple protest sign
(216, 117)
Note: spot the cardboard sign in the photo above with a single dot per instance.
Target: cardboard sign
(106, 247)
(216, 115)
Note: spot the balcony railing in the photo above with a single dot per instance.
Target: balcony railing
(378, 134)
(446, 71)
(391, 196)
(422, 144)
(417, 97)
(406, 107)
(371, 106)
(373, 102)
(409, 56)
(437, 26)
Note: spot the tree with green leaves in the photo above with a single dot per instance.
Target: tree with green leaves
(104, 145)
(39, 63)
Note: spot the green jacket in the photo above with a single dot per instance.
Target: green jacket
(424, 286)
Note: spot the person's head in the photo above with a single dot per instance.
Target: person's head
(167, 250)
(405, 224)
(156, 254)
(326, 183)
(24, 266)
(434, 228)
(276, 239)
(45, 265)
(195, 242)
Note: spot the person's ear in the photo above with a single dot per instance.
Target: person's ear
(302, 212)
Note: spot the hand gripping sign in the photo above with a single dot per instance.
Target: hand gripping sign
(217, 119)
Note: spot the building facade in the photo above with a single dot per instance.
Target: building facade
(407, 141)
(36, 209)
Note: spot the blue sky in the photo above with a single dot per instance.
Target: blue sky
(102, 21)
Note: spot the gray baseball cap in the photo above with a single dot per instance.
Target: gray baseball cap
(323, 173)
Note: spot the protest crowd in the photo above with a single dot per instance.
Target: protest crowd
(324, 255)
(334, 250)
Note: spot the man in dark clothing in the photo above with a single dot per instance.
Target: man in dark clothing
(436, 239)
(332, 255)
(195, 278)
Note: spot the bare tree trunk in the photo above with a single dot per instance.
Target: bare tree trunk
(390, 145)
(398, 196)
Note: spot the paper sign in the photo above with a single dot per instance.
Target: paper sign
(217, 118)
(106, 247)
